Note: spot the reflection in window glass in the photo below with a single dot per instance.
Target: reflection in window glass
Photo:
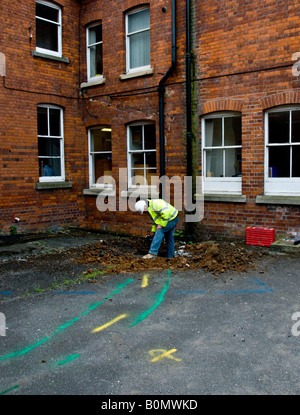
(296, 127)
(135, 137)
(42, 121)
(213, 132)
(100, 158)
(138, 39)
(48, 28)
(296, 161)
(279, 127)
(222, 146)
(142, 154)
(214, 163)
(50, 141)
(232, 131)
(283, 143)
(94, 51)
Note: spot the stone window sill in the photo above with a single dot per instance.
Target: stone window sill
(51, 57)
(142, 193)
(136, 74)
(97, 192)
(53, 185)
(227, 198)
(94, 82)
(278, 200)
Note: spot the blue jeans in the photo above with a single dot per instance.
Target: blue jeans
(167, 232)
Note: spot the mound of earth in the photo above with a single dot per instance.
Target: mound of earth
(125, 255)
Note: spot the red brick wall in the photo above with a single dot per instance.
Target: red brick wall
(30, 81)
(243, 59)
(139, 101)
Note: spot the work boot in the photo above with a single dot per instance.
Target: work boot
(148, 256)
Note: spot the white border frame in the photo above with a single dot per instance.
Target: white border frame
(139, 68)
(88, 57)
(219, 185)
(59, 29)
(278, 186)
(92, 180)
(61, 137)
(129, 152)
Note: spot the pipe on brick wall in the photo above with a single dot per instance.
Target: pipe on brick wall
(188, 93)
(161, 92)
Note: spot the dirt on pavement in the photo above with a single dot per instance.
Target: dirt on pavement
(64, 259)
(125, 255)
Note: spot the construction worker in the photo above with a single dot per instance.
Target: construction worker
(165, 218)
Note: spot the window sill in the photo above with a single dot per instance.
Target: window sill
(227, 198)
(94, 82)
(53, 185)
(143, 193)
(101, 192)
(51, 57)
(278, 200)
(136, 74)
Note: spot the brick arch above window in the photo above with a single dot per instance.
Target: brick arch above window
(54, 100)
(129, 4)
(91, 123)
(281, 98)
(227, 104)
(139, 121)
(59, 2)
(92, 17)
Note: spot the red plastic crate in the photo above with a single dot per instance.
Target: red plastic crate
(260, 236)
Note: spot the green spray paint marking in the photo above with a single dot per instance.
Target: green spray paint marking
(10, 389)
(160, 298)
(69, 359)
(64, 326)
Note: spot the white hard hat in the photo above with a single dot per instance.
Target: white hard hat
(140, 205)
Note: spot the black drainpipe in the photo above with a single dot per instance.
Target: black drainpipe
(161, 91)
(188, 93)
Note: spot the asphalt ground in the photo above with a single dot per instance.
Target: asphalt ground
(159, 333)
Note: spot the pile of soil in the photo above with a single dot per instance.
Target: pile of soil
(125, 255)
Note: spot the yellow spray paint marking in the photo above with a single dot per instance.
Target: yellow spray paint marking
(145, 281)
(164, 353)
(120, 317)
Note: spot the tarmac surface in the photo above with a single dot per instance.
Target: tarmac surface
(69, 329)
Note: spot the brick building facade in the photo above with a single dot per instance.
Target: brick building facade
(165, 87)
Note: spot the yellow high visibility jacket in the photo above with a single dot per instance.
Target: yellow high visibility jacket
(161, 212)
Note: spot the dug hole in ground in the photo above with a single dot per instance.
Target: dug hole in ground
(40, 262)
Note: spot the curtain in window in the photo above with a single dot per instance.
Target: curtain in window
(95, 48)
(139, 39)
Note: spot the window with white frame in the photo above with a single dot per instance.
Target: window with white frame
(48, 28)
(94, 51)
(141, 155)
(50, 143)
(138, 40)
(282, 151)
(222, 153)
(100, 156)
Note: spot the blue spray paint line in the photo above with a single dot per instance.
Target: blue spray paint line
(64, 326)
(266, 290)
(264, 285)
(242, 292)
(6, 293)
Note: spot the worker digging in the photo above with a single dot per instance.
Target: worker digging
(165, 218)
